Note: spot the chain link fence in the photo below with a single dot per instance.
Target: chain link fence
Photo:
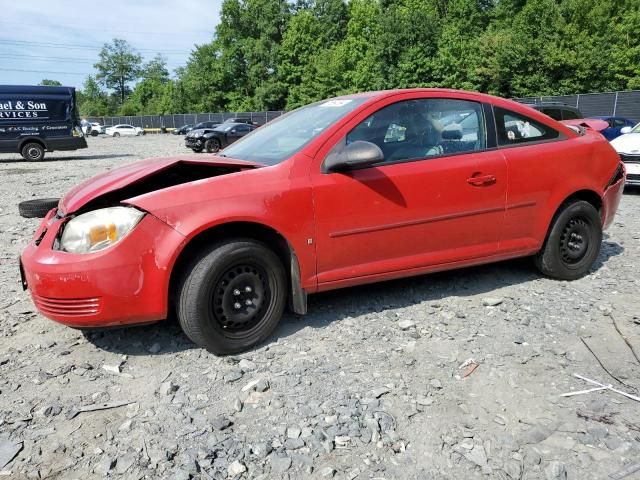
(178, 120)
(622, 104)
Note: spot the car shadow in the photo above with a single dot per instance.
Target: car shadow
(49, 159)
(325, 308)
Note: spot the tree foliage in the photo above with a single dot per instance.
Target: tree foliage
(275, 54)
(118, 66)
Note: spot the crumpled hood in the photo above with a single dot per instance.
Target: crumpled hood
(628, 143)
(134, 173)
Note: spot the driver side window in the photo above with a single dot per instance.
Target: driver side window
(423, 128)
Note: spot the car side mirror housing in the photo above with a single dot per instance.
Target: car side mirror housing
(624, 130)
(359, 154)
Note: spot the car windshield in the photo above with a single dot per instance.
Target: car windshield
(636, 129)
(279, 139)
(224, 128)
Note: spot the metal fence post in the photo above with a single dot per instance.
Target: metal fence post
(615, 104)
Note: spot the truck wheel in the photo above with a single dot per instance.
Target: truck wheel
(573, 243)
(37, 208)
(212, 145)
(33, 152)
(232, 296)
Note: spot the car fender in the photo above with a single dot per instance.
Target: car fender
(264, 196)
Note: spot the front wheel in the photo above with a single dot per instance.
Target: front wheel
(212, 145)
(573, 243)
(116, 134)
(232, 296)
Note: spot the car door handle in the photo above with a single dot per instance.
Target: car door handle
(481, 180)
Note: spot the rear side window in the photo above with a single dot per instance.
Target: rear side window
(570, 114)
(514, 128)
(554, 113)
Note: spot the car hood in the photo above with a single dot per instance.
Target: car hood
(146, 176)
(628, 143)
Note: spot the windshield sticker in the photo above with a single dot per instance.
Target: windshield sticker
(335, 103)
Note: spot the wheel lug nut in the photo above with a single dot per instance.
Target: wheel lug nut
(237, 306)
(248, 302)
(247, 289)
(236, 292)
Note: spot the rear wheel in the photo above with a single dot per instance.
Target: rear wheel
(212, 145)
(232, 296)
(573, 243)
(33, 152)
(116, 134)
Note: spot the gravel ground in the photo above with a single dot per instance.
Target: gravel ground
(367, 385)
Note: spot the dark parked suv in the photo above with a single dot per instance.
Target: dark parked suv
(556, 110)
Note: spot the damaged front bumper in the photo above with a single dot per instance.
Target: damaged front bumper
(124, 284)
(194, 142)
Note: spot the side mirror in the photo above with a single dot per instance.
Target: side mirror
(624, 130)
(359, 154)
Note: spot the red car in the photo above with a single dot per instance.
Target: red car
(342, 192)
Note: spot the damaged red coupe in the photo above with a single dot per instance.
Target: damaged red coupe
(342, 192)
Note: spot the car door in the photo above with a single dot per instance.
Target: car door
(237, 132)
(128, 130)
(438, 197)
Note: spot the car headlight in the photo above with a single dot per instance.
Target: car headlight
(100, 229)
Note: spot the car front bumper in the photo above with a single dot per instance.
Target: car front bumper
(124, 284)
(194, 142)
(632, 166)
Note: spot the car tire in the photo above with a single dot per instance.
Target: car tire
(94, 133)
(197, 150)
(116, 134)
(212, 145)
(232, 296)
(37, 208)
(33, 152)
(573, 243)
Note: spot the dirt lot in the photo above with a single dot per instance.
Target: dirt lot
(367, 385)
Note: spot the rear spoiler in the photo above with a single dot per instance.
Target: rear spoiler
(580, 124)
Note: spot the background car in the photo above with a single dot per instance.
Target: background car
(183, 130)
(248, 121)
(616, 124)
(556, 110)
(194, 139)
(224, 135)
(97, 129)
(628, 147)
(124, 130)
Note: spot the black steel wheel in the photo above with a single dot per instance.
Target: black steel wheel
(573, 242)
(212, 145)
(232, 296)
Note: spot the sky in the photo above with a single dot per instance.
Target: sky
(60, 39)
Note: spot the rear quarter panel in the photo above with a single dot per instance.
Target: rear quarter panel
(543, 176)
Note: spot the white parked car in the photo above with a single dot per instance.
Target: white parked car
(118, 130)
(97, 129)
(628, 147)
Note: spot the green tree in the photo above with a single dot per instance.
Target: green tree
(118, 66)
(50, 83)
(156, 69)
(92, 100)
